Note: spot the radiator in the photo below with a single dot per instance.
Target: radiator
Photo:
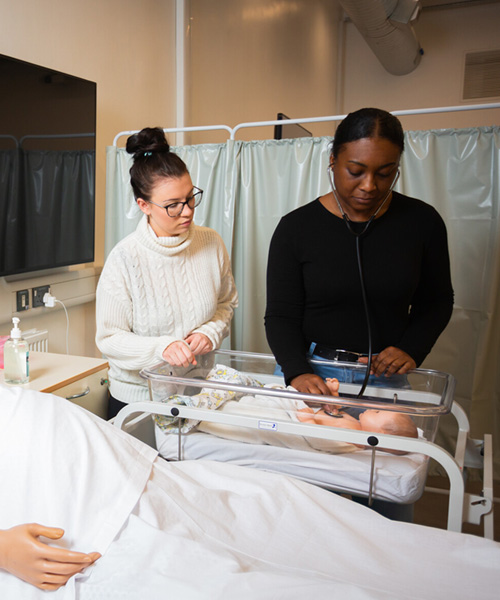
(38, 339)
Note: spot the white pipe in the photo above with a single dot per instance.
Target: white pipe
(390, 37)
(179, 68)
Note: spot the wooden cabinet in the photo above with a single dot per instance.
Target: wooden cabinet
(79, 379)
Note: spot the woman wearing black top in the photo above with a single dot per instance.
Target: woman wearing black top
(314, 291)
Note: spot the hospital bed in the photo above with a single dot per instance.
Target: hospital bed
(369, 472)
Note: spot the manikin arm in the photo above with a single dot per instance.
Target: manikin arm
(46, 567)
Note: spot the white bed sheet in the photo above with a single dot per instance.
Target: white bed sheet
(226, 532)
(397, 478)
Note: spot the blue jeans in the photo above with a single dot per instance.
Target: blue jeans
(348, 375)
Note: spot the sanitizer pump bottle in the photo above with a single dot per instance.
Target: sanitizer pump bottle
(16, 356)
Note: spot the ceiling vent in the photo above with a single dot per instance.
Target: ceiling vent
(482, 75)
(386, 27)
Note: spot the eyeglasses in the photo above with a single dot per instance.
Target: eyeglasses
(174, 209)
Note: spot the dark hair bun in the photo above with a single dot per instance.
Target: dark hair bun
(148, 140)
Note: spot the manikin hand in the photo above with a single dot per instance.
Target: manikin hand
(46, 567)
(390, 361)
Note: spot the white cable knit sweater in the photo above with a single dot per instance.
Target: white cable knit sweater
(157, 290)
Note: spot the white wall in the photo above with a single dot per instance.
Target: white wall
(251, 59)
(128, 48)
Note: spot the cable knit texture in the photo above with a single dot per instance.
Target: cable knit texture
(157, 290)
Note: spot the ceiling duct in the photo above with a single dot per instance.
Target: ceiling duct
(386, 27)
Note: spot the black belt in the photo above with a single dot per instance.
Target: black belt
(338, 355)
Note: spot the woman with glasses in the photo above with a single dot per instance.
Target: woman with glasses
(166, 291)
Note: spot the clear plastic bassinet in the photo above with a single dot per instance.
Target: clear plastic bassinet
(424, 394)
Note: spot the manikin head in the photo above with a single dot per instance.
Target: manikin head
(388, 421)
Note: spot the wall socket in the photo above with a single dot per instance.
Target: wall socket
(22, 300)
(38, 294)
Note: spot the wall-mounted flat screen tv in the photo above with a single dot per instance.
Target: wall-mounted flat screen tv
(47, 168)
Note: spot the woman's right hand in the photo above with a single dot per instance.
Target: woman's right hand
(46, 567)
(179, 354)
(309, 383)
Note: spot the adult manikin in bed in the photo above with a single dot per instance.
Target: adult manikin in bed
(200, 530)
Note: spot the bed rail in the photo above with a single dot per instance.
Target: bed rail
(430, 449)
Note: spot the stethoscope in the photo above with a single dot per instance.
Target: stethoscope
(345, 217)
(357, 235)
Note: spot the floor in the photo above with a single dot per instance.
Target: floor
(432, 508)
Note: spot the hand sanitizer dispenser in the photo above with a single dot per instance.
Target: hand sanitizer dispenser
(16, 356)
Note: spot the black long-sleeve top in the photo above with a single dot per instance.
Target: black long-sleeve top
(314, 290)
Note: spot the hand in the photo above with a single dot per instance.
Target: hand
(308, 383)
(199, 343)
(179, 354)
(46, 567)
(333, 386)
(390, 361)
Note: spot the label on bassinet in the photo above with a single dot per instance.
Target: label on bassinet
(269, 425)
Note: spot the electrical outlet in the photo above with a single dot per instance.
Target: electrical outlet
(22, 300)
(38, 294)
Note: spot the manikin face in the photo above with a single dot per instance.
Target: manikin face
(375, 420)
(168, 191)
(363, 173)
(386, 421)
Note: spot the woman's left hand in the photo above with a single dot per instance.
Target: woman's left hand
(390, 361)
(199, 343)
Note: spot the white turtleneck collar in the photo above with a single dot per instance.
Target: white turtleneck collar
(165, 244)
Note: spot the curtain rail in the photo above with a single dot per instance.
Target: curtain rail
(10, 137)
(416, 111)
(54, 136)
(398, 113)
(178, 130)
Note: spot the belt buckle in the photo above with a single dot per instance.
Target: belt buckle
(347, 356)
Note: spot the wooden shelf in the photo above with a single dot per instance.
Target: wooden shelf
(50, 372)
